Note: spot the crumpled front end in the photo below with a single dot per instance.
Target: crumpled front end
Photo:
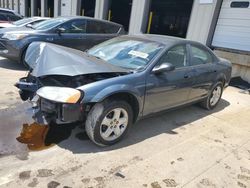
(60, 105)
(54, 65)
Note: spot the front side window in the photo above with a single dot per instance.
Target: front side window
(76, 26)
(200, 56)
(176, 56)
(127, 53)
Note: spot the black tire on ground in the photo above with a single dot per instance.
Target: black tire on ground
(207, 102)
(96, 115)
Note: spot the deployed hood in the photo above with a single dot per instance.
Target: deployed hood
(51, 59)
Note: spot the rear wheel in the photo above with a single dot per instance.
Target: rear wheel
(108, 122)
(214, 96)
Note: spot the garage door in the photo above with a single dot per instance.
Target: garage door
(233, 26)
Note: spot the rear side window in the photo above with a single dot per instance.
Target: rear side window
(101, 27)
(200, 56)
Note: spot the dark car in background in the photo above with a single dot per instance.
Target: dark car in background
(21, 23)
(119, 81)
(7, 15)
(76, 32)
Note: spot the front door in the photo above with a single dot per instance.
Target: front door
(73, 34)
(171, 88)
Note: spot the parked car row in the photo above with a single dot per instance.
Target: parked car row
(7, 15)
(82, 70)
(28, 22)
(76, 32)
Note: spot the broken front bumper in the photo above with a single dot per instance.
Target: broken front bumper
(59, 113)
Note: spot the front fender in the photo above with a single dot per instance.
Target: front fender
(111, 90)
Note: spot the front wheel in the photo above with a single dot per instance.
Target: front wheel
(213, 97)
(108, 122)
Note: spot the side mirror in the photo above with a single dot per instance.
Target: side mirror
(164, 67)
(29, 25)
(60, 30)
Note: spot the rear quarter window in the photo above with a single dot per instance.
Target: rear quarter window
(101, 27)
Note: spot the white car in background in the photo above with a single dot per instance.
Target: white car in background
(23, 22)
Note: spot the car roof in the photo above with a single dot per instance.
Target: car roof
(5, 9)
(11, 11)
(163, 39)
(89, 18)
(39, 17)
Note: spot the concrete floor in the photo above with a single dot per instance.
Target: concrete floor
(189, 147)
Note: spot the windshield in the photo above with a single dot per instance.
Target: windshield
(48, 24)
(22, 21)
(127, 53)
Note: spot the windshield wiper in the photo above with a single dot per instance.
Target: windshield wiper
(97, 57)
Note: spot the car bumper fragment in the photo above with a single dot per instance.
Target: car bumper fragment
(26, 88)
(59, 112)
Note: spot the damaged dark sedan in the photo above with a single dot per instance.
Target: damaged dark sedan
(114, 84)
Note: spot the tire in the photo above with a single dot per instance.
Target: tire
(207, 103)
(101, 121)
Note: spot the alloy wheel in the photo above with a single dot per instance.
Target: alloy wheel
(114, 124)
(215, 96)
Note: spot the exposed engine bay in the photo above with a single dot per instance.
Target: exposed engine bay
(75, 81)
(30, 84)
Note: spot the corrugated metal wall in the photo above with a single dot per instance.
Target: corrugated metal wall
(233, 27)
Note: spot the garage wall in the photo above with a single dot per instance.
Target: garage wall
(233, 27)
(22, 7)
(16, 7)
(201, 20)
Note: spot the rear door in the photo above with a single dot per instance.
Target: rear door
(203, 65)
(171, 88)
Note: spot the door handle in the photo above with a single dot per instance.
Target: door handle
(49, 39)
(187, 76)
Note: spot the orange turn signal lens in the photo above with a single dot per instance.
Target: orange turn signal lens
(74, 98)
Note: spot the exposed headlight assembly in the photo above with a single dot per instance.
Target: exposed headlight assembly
(13, 36)
(60, 94)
